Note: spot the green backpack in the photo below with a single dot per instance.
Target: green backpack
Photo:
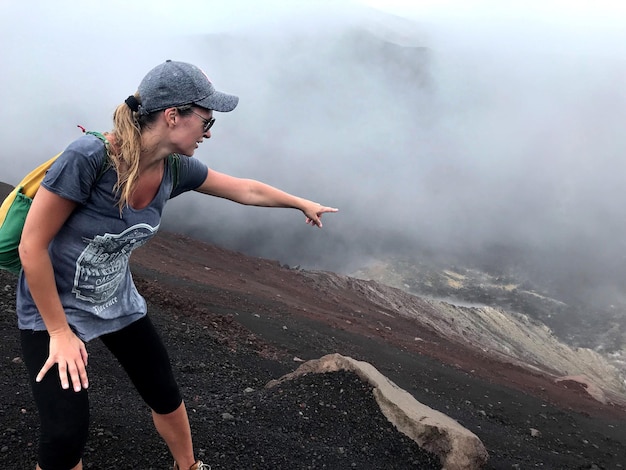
(15, 207)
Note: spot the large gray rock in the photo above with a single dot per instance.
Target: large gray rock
(457, 447)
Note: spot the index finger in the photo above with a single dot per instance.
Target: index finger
(44, 370)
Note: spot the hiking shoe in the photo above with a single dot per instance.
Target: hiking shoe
(196, 466)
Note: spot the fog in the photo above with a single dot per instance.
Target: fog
(472, 131)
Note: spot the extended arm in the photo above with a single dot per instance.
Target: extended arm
(254, 193)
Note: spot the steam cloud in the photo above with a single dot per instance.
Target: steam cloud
(454, 136)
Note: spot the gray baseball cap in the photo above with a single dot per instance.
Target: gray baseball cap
(172, 84)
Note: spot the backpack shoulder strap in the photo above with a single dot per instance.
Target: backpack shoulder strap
(173, 160)
(101, 137)
(106, 163)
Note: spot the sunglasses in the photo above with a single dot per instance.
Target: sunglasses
(208, 123)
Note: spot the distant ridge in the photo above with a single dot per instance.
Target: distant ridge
(5, 189)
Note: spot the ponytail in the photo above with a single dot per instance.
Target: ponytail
(127, 125)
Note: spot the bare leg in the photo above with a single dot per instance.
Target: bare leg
(175, 431)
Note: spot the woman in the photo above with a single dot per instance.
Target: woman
(89, 214)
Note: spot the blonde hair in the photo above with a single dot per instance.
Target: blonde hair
(127, 147)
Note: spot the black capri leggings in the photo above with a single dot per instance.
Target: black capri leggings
(64, 414)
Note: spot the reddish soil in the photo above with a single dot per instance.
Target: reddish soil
(220, 279)
(233, 322)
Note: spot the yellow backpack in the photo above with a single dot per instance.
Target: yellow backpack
(15, 208)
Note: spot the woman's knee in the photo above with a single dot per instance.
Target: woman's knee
(64, 434)
(165, 403)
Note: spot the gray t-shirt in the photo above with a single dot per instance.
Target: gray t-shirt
(91, 251)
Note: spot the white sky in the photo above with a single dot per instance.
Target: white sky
(601, 12)
(220, 16)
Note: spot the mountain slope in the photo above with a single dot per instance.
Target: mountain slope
(489, 341)
(234, 322)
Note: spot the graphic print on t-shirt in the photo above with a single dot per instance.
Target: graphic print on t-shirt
(102, 265)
